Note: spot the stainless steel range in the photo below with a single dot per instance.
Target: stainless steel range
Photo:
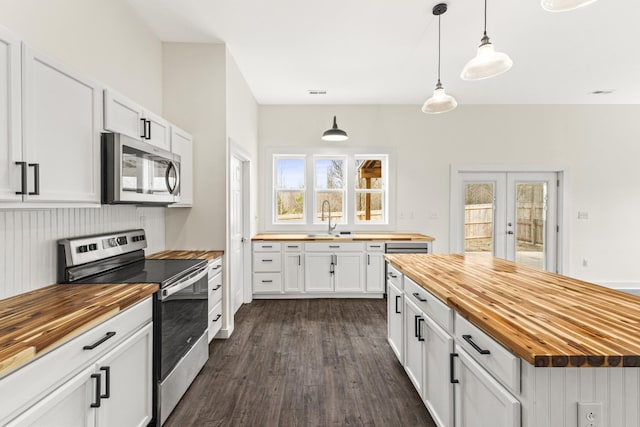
(179, 308)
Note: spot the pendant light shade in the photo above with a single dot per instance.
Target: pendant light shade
(488, 62)
(439, 102)
(564, 5)
(335, 134)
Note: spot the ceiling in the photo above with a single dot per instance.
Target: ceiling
(385, 52)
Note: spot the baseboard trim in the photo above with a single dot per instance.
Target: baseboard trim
(224, 334)
(317, 295)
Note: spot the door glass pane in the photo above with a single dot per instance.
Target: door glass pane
(478, 217)
(530, 223)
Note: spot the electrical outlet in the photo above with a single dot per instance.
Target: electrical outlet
(590, 414)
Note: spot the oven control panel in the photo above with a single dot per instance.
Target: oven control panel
(100, 246)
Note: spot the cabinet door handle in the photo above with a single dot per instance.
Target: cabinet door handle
(368, 259)
(107, 382)
(475, 346)
(397, 299)
(96, 403)
(417, 295)
(216, 288)
(144, 129)
(148, 130)
(420, 337)
(415, 326)
(452, 374)
(36, 179)
(100, 341)
(299, 261)
(23, 175)
(217, 318)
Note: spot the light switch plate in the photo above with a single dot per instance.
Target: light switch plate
(590, 414)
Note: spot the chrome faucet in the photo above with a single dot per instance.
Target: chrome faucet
(329, 213)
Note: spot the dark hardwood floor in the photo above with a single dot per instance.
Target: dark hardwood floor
(321, 362)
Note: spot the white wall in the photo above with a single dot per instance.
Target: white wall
(103, 39)
(194, 99)
(106, 41)
(600, 145)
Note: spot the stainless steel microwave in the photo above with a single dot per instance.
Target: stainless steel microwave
(136, 172)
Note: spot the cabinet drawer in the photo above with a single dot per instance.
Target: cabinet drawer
(266, 262)
(215, 290)
(38, 378)
(499, 361)
(394, 276)
(267, 283)
(266, 247)
(215, 320)
(334, 247)
(293, 246)
(215, 267)
(429, 304)
(375, 247)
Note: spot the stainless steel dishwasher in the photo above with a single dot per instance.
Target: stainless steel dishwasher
(403, 248)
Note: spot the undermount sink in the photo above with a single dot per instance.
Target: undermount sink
(329, 236)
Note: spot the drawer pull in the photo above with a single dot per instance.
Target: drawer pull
(267, 246)
(417, 295)
(452, 374)
(96, 403)
(292, 246)
(475, 346)
(217, 318)
(374, 246)
(216, 267)
(100, 341)
(267, 260)
(267, 281)
(334, 246)
(216, 288)
(397, 299)
(393, 276)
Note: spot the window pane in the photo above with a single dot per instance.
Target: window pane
(530, 224)
(369, 174)
(290, 206)
(478, 218)
(336, 201)
(369, 207)
(329, 174)
(290, 173)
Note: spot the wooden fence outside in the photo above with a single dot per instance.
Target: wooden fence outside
(478, 223)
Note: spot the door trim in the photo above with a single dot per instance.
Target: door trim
(563, 202)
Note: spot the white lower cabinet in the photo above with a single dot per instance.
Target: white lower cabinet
(293, 272)
(349, 272)
(395, 308)
(114, 390)
(438, 388)
(375, 267)
(319, 272)
(414, 344)
(214, 283)
(480, 401)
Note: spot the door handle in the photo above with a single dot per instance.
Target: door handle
(509, 232)
(23, 174)
(144, 129)
(96, 403)
(107, 382)
(420, 337)
(452, 374)
(171, 189)
(397, 299)
(36, 179)
(148, 130)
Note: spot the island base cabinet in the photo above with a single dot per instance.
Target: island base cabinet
(116, 391)
(395, 303)
(480, 401)
(413, 345)
(438, 389)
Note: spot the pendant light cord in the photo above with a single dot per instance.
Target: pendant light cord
(485, 18)
(439, 49)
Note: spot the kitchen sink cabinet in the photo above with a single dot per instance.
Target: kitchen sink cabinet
(319, 272)
(122, 115)
(100, 378)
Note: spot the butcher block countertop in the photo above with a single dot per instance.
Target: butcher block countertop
(353, 237)
(38, 321)
(184, 254)
(547, 319)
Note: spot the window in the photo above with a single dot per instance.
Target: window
(352, 186)
(369, 190)
(329, 186)
(289, 189)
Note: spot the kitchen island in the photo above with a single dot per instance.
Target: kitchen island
(523, 347)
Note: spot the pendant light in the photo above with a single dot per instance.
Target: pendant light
(440, 102)
(335, 134)
(488, 62)
(564, 5)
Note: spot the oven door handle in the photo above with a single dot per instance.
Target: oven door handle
(167, 292)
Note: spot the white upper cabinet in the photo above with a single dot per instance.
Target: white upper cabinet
(182, 145)
(122, 115)
(61, 134)
(10, 127)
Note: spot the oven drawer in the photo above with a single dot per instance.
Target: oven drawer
(266, 262)
(215, 290)
(267, 283)
(215, 320)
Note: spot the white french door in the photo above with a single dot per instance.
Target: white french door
(512, 215)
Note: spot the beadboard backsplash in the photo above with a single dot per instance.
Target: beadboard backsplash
(28, 239)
